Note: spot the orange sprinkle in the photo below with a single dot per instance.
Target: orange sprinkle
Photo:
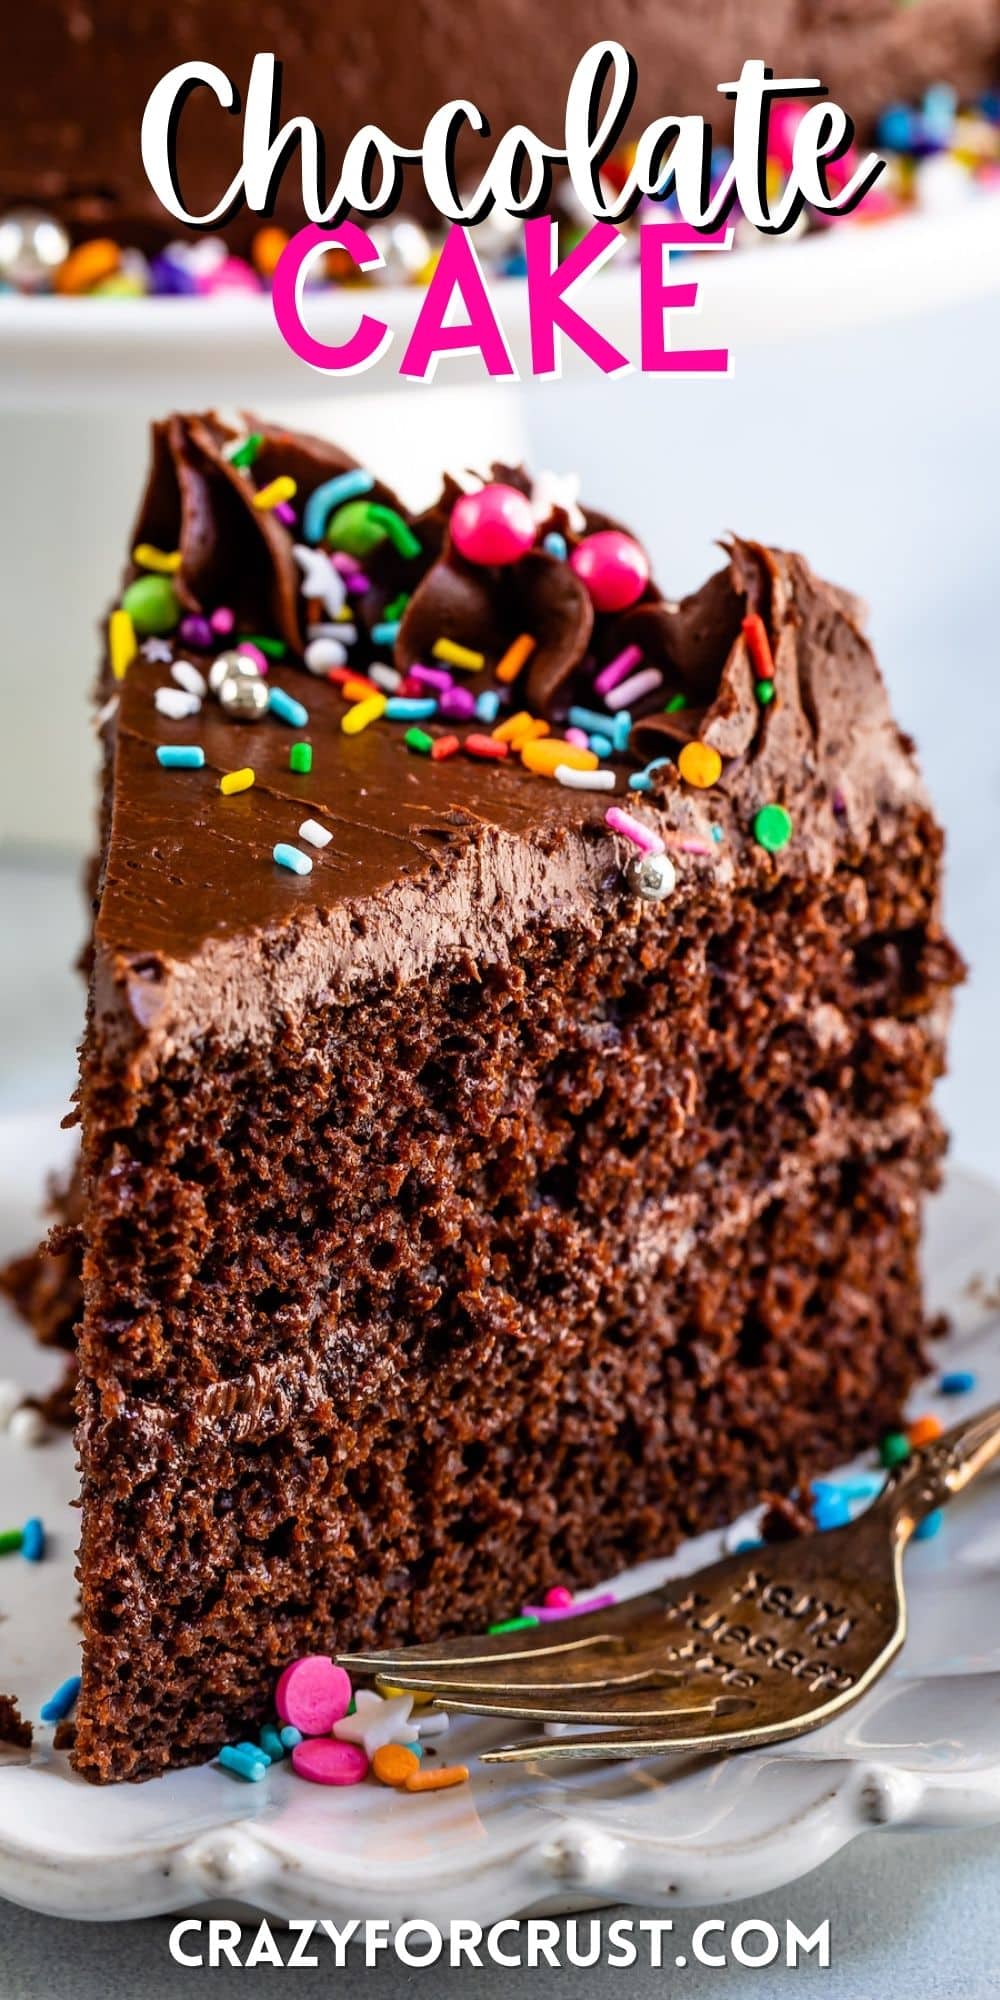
(440, 1779)
(266, 248)
(516, 657)
(759, 645)
(520, 728)
(356, 687)
(923, 1430)
(393, 1763)
(545, 755)
(88, 265)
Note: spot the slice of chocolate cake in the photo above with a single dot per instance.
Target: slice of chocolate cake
(477, 1193)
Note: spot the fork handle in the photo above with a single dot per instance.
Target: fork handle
(941, 1469)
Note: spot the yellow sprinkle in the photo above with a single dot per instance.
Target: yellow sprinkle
(418, 1696)
(363, 712)
(122, 647)
(236, 781)
(279, 489)
(458, 656)
(164, 562)
(543, 756)
(515, 657)
(699, 765)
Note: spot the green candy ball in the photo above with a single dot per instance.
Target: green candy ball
(151, 603)
(351, 530)
(773, 828)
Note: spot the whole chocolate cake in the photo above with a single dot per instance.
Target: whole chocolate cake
(505, 1089)
(78, 77)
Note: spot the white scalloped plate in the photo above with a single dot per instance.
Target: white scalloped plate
(922, 1749)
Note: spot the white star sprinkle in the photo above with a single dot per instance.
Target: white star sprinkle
(554, 492)
(319, 578)
(376, 1721)
(159, 651)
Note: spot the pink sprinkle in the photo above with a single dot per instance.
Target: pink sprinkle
(617, 669)
(342, 561)
(312, 1694)
(558, 1596)
(548, 1614)
(358, 583)
(693, 846)
(253, 653)
(324, 1760)
(632, 829)
(578, 737)
(635, 688)
(222, 620)
(285, 513)
(432, 677)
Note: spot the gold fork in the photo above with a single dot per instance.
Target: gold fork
(764, 1645)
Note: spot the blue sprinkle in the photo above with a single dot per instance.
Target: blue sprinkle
(716, 833)
(254, 1750)
(895, 128)
(33, 1540)
(271, 1742)
(417, 1749)
(957, 1382)
(59, 1704)
(290, 1735)
(292, 858)
(641, 781)
(320, 504)
(487, 705)
(864, 1485)
(601, 745)
(749, 1542)
(621, 730)
(410, 708)
(386, 634)
(252, 1769)
(831, 1508)
(180, 756)
(555, 545)
(287, 708)
(929, 1526)
(589, 719)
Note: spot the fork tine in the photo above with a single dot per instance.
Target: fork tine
(630, 1708)
(715, 1734)
(591, 1628)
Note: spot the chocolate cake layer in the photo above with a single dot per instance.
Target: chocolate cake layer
(453, 1221)
(79, 78)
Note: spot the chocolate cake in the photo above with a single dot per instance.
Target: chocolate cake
(496, 1202)
(78, 78)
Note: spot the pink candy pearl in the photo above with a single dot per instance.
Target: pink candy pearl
(613, 569)
(558, 1598)
(313, 1694)
(495, 525)
(325, 1761)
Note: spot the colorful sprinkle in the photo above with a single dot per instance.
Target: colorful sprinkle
(292, 858)
(287, 709)
(188, 678)
(433, 677)
(512, 1625)
(10, 1541)
(700, 765)
(271, 1743)
(444, 747)
(222, 621)
(439, 1779)
(60, 1704)
(300, 759)
(544, 755)
(602, 746)
(248, 650)
(314, 833)
(180, 756)
(290, 1736)
(33, 1540)
(402, 537)
(275, 492)
(152, 604)
(642, 781)
(410, 708)
(458, 703)
(332, 494)
(458, 656)
(632, 829)
(364, 712)
(385, 634)
(929, 1526)
(764, 690)
(323, 1760)
(487, 748)
(958, 1382)
(617, 670)
(894, 1449)
(393, 1763)
(166, 562)
(387, 679)
(312, 1694)
(176, 703)
(676, 703)
(924, 1430)
(584, 781)
(232, 782)
(637, 688)
(122, 643)
(487, 705)
(517, 656)
(249, 1764)
(772, 827)
(243, 454)
(555, 545)
(418, 740)
(759, 645)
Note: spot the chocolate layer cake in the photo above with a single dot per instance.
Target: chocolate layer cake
(491, 1205)
(78, 77)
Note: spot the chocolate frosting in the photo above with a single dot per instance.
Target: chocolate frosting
(199, 932)
(78, 77)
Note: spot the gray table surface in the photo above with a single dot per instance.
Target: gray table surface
(912, 1912)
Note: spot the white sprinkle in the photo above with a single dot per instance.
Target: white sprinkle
(434, 1723)
(634, 688)
(175, 703)
(322, 654)
(335, 628)
(159, 651)
(316, 835)
(27, 1426)
(585, 781)
(320, 578)
(188, 677)
(106, 714)
(11, 1398)
(385, 677)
